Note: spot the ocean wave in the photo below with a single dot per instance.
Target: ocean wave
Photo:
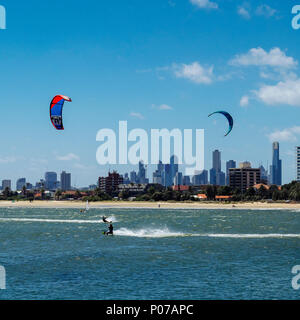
(148, 233)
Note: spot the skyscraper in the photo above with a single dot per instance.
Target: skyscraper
(186, 180)
(167, 175)
(178, 181)
(51, 180)
(276, 165)
(217, 177)
(142, 174)
(158, 174)
(65, 181)
(6, 184)
(174, 167)
(200, 178)
(231, 164)
(133, 177)
(21, 183)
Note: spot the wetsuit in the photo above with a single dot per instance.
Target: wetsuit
(110, 230)
(104, 219)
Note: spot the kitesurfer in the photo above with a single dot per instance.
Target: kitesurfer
(105, 220)
(110, 230)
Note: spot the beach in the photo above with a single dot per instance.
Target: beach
(149, 205)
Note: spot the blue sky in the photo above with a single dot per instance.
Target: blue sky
(156, 64)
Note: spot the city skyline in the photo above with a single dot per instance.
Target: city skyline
(168, 174)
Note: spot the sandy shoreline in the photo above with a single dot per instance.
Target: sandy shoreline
(152, 205)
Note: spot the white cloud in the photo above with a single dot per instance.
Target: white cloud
(285, 92)
(243, 12)
(165, 107)
(68, 157)
(137, 115)
(288, 135)
(244, 102)
(265, 10)
(205, 4)
(259, 57)
(162, 107)
(8, 159)
(194, 72)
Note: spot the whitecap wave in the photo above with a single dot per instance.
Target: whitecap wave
(148, 233)
(249, 236)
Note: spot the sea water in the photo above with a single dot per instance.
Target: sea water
(154, 254)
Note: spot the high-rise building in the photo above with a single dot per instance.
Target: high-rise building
(141, 177)
(174, 167)
(110, 184)
(65, 181)
(167, 176)
(244, 178)
(276, 165)
(20, 184)
(186, 180)
(200, 178)
(6, 184)
(264, 175)
(133, 177)
(126, 179)
(231, 164)
(178, 181)
(217, 177)
(50, 180)
(158, 174)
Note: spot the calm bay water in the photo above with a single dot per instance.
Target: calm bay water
(155, 254)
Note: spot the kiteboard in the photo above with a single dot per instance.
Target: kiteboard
(104, 233)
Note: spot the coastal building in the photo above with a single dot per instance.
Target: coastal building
(231, 164)
(110, 184)
(50, 180)
(244, 177)
(276, 165)
(21, 183)
(6, 184)
(65, 181)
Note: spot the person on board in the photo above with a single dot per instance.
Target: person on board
(110, 230)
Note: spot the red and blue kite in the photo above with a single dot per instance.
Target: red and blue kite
(56, 108)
